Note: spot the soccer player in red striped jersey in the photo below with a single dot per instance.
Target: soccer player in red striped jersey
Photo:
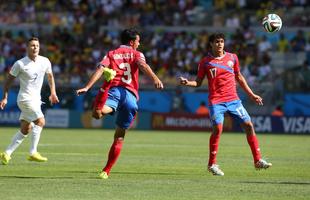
(119, 93)
(222, 71)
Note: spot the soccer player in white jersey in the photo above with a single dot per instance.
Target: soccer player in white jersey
(30, 71)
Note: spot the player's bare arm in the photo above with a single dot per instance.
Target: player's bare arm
(51, 82)
(146, 69)
(186, 82)
(93, 79)
(6, 87)
(244, 85)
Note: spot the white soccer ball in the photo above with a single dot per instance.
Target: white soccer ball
(272, 23)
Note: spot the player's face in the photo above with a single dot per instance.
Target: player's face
(135, 43)
(218, 45)
(33, 48)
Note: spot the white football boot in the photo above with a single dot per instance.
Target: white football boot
(262, 164)
(215, 170)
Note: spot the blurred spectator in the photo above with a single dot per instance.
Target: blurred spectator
(283, 44)
(219, 5)
(178, 102)
(304, 76)
(307, 48)
(202, 109)
(297, 79)
(264, 70)
(233, 21)
(2, 63)
(217, 20)
(277, 112)
(264, 44)
(298, 43)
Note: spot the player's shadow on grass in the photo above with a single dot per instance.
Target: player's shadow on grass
(155, 173)
(37, 177)
(142, 173)
(277, 182)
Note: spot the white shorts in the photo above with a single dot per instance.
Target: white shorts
(30, 110)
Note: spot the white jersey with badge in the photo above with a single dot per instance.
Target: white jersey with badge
(31, 76)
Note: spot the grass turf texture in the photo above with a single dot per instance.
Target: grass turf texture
(154, 165)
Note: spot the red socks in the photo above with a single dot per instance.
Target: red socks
(214, 143)
(253, 142)
(114, 152)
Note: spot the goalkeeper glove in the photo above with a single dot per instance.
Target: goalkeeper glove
(108, 74)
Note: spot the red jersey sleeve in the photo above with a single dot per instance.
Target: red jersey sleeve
(236, 63)
(105, 61)
(139, 56)
(201, 69)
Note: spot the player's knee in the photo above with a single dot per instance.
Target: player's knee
(97, 114)
(106, 110)
(217, 129)
(25, 130)
(132, 108)
(41, 122)
(119, 133)
(248, 126)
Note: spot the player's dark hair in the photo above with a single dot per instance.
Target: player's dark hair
(32, 39)
(128, 35)
(214, 37)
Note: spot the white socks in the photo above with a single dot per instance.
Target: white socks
(16, 141)
(18, 138)
(36, 133)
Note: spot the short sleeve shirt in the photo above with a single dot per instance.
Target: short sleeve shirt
(31, 76)
(220, 73)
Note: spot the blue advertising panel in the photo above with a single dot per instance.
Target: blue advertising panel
(297, 104)
(9, 118)
(152, 101)
(63, 118)
(270, 124)
(193, 100)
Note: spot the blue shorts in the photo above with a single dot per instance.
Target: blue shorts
(124, 103)
(234, 108)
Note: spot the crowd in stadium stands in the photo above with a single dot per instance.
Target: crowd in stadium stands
(143, 12)
(76, 42)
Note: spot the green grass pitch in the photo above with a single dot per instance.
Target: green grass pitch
(155, 165)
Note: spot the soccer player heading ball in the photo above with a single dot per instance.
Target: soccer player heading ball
(222, 71)
(119, 93)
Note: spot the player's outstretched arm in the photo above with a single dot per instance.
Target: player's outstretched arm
(6, 88)
(93, 79)
(51, 82)
(244, 85)
(186, 82)
(146, 69)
